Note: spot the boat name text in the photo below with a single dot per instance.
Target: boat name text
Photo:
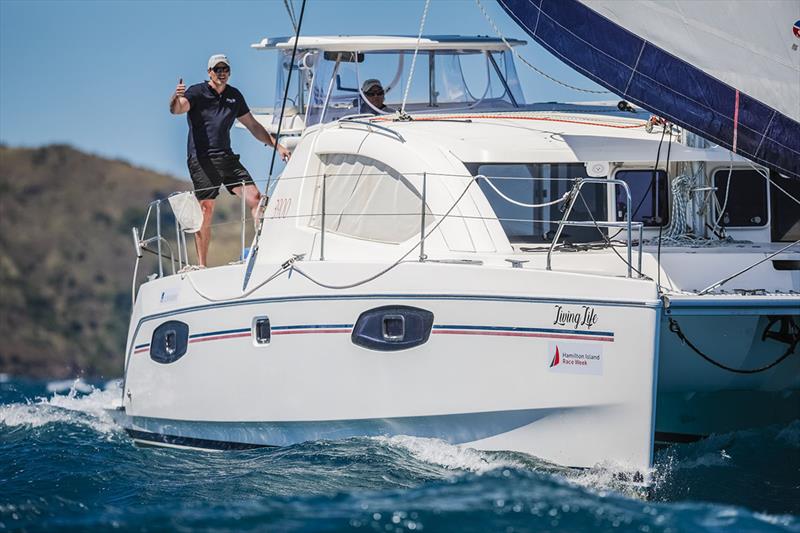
(585, 317)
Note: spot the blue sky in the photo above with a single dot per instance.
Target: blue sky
(98, 74)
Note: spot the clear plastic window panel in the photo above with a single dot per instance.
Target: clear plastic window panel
(443, 81)
(366, 199)
(537, 183)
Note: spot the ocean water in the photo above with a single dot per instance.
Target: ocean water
(65, 466)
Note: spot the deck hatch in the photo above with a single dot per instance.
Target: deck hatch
(391, 328)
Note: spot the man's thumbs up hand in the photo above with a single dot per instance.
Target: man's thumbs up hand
(180, 90)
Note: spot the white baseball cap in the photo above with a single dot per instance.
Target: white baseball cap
(369, 84)
(216, 59)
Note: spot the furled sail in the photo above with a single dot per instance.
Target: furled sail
(729, 71)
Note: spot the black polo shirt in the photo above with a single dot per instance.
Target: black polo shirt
(211, 118)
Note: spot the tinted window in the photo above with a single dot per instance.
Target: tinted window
(785, 211)
(649, 198)
(538, 183)
(746, 203)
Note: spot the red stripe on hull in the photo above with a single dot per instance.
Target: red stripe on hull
(522, 334)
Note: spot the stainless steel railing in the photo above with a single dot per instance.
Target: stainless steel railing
(155, 244)
(575, 194)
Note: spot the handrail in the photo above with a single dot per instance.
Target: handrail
(423, 213)
(370, 125)
(576, 190)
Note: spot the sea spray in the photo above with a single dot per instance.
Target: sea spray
(66, 466)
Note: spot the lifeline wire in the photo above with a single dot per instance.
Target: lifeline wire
(289, 264)
(414, 59)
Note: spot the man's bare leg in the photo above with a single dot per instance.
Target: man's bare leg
(252, 198)
(203, 237)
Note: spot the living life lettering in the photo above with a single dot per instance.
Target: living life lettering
(585, 317)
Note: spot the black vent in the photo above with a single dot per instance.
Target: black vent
(169, 342)
(392, 328)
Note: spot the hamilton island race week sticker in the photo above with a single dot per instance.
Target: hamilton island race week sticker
(576, 358)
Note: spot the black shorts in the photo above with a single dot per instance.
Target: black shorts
(209, 173)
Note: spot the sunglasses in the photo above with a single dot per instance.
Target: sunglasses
(220, 70)
(376, 93)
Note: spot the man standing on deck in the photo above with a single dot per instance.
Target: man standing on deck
(212, 107)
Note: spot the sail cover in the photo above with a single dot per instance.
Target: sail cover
(729, 71)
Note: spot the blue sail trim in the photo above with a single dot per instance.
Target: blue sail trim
(656, 80)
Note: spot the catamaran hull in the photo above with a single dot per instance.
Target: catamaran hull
(556, 378)
(572, 379)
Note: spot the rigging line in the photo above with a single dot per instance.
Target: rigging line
(285, 94)
(607, 240)
(726, 280)
(290, 11)
(414, 59)
(676, 329)
(265, 198)
(765, 175)
(525, 61)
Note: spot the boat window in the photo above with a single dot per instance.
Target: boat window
(537, 183)
(367, 199)
(444, 80)
(785, 210)
(743, 200)
(649, 197)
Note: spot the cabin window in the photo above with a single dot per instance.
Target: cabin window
(746, 204)
(649, 197)
(537, 183)
(785, 211)
(366, 199)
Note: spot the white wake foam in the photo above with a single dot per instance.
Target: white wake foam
(450, 456)
(74, 407)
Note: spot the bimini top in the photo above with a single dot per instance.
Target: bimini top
(376, 43)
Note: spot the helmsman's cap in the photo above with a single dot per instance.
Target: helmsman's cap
(369, 84)
(216, 59)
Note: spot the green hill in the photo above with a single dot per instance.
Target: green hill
(66, 257)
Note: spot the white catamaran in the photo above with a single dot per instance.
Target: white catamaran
(575, 281)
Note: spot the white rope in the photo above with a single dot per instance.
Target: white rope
(725, 202)
(414, 59)
(521, 204)
(525, 61)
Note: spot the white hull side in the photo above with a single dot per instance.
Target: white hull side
(484, 378)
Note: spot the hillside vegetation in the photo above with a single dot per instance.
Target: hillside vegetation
(67, 255)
